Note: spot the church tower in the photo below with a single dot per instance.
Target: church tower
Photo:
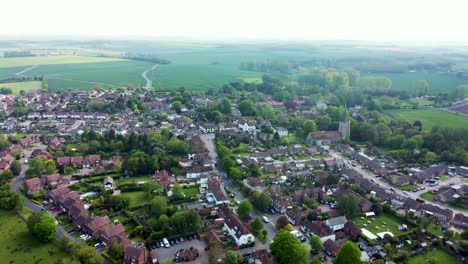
(344, 127)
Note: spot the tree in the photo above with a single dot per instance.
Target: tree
(288, 249)
(420, 87)
(16, 167)
(88, 255)
(349, 253)
(158, 206)
(323, 122)
(261, 201)
(224, 106)
(177, 106)
(150, 188)
(309, 126)
(333, 178)
(115, 249)
(316, 261)
(120, 202)
(348, 205)
(50, 167)
(233, 257)
(177, 146)
(36, 167)
(257, 226)
(281, 222)
(244, 209)
(45, 83)
(246, 107)
(316, 244)
(177, 192)
(186, 221)
(8, 199)
(42, 226)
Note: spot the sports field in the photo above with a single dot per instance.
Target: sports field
(430, 117)
(25, 86)
(18, 246)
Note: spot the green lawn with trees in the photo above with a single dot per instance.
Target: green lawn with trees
(431, 117)
(433, 256)
(381, 224)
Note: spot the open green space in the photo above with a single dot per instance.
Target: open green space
(433, 256)
(25, 86)
(137, 199)
(382, 223)
(430, 196)
(438, 83)
(434, 229)
(191, 191)
(430, 117)
(19, 246)
(409, 187)
(45, 60)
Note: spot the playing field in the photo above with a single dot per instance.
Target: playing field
(25, 86)
(433, 256)
(18, 246)
(382, 223)
(430, 117)
(46, 60)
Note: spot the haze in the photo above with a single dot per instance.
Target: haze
(395, 21)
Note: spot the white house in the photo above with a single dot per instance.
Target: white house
(108, 183)
(282, 132)
(336, 223)
(245, 127)
(235, 228)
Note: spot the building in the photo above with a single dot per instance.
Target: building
(336, 223)
(215, 192)
(234, 227)
(134, 255)
(108, 183)
(162, 177)
(344, 128)
(323, 138)
(32, 185)
(279, 203)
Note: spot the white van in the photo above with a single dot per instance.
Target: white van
(166, 242)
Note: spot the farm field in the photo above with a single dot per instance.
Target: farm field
(381, 224)
(438, 83)
(431, 117)
(47, 60)
(433, 256)
(18, 246)
(462, 109)
(25, 86)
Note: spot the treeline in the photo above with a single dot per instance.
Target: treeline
(21, 79)
(140, 57)
(265, 66)
(12, 54)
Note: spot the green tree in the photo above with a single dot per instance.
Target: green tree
(420, 87)
(177, 192)
(233, 257)
(257, 226)
(309, 126)
(88, 255)
(120, 202)
(316, 244)
(150, 188)
(50, 167)
(246, 107)
(430, 158)
(177, 106)
(45, 83)
(349, 253)
(115, 249)
(348, 205)
(288, 249)
(42, 226)
(244, 209)
(261, 201)
(16, 167)
(224, 106)
(323, 122)
(177, 146)
(36, 167)
(8, 199)
(158, 206)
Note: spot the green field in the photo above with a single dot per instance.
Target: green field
(433, 256)
(25, 86)
(137, 199)
(381, 224)
(46, 60)
(191, 191)
(18, 246)
(438, 83)
(430, 196)
(430, 117)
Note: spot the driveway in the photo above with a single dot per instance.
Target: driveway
(166, 254)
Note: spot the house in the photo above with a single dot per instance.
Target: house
(246, 128)
(279, 203)
(162, 177)
(460, 221)
(153, 257)
(215, 192)
(323, 138)
(442, 215)
(105, 235)
(33, 185)
(296, 215)
(207, 127)
(331, 247)
(135, 255)
(254, 183)
(262, 256)
(319, 229)
(95, 223)
(336, 223)
(234, 227)
(351, 230)
(56, 180)
(55, 194)
(108, 183)
(462, 171)
(282, 132)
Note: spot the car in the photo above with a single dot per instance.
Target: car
(26, 161)
(405, 193)
(176, 240)
(71, 231)
(45, 203)
(265, 219)
(247, 254)
(392, 189)
(181, 239)
(98, 245)
(415, 190)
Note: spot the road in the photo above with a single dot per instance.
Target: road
(149, 83)
(413, 195)
(15, 184)
(25, 70)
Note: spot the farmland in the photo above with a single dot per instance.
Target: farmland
(438, 83)
(462, 108)
(18, 246)
(48, 60)
(430, 117)
(25, 86)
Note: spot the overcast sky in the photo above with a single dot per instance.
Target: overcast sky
(375, 20)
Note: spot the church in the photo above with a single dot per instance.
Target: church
(325, 138)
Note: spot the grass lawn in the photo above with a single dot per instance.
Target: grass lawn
(434, 229)
(430, 196)
(443, 178)
(25, 86)
(437, 256)
(137, 199)
(19, 246)
(321, 156)
(252, 80)
(409, 187)
(430, 117)
(376, 226)
(143, 178)
(191, 191)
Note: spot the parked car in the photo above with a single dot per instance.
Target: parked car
(265, 219)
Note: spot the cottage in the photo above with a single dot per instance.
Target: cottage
(319, 229)
(331, 247)
(162, 177)
(336, 223)
(279, 203)
(108, 183)
(32, 185)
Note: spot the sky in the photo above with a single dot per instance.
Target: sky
(369, 20)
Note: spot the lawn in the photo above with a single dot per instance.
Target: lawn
(377, 225)
(430, 117)
(430, 196)
(25, 86)
(191, 191)
(137, 199)
(18, 246)
(437, 256)
(409, 187)
(43, 60)
(434, 229)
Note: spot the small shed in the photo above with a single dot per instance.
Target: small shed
(369, 214)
